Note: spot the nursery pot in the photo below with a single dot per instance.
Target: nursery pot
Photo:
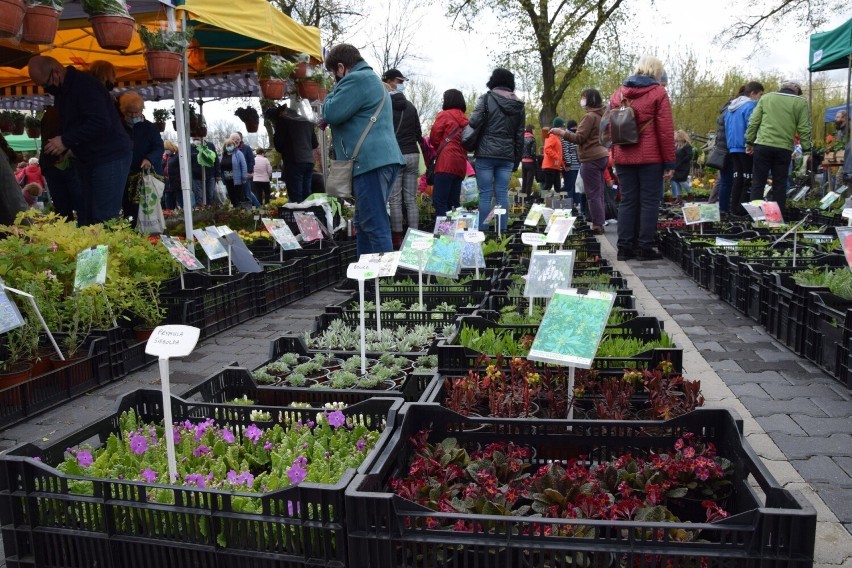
(40, 24)
(163, 65)
(18, 128)
(322, 93)
(113, 32)
(273, 88)
(161, 126)
(57, 363)
(15, 375)
(252, 125)
(309, 90)
(142, 332)
(6, 125)
(34, 132)
(300, 71)
(11, 17)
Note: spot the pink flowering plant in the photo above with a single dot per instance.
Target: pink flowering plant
(244, 459)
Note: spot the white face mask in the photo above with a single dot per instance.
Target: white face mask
(400, 87)
(583, 103)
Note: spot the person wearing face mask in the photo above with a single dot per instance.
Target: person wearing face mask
(409, 136)
(92, 131)
(234, 172)
(841, 123)
(204, 192)
(147, 148)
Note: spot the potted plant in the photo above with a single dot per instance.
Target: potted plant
(18, 123)
(326, 82)
(161, 115)
(272, 73)
(13, 366)
(146, 306)
(250, 117)
(197, 123)
(6, 120)
(111, 22)
(41, 21)
(164, 51)
(309, 85)
(78, 311)
(33, 126)
(300, 70)
(11, 17)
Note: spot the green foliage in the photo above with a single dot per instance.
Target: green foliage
(493, 245)
(492, 341)
(105, 8)
(621, 346)
(165, 40)
(270, 66)
(838, 281)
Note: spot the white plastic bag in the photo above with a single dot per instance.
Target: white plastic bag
(150, 220)
(469, 191)
(220, 196)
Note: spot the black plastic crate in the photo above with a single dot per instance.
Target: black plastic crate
(826, 324)
(44, 524)
(278, 285)
(387, 531)
(294, 342)
(465, 303)
(126, 354)
(787, 309)
(234, 382)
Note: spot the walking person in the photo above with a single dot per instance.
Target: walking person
(571, 160)
(498, 152)
(234, 172)
(593, 156)
(736, 121)
(528, 162)
(642, 167)
(451, 161)
(683, 164)
(262, 176)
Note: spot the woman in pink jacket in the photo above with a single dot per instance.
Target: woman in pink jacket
(262, 175)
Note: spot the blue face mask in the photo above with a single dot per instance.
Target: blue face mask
(400, 88)
(136, 120)
(229, 148)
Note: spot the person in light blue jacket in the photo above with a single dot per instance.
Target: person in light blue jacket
(348, 109)
(736, 122)
(234, 173)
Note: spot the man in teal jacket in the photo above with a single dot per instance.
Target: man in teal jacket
(770, 137)
(348, 109)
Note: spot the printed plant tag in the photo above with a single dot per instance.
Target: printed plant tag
(409, 256)
(548, 272)
(754, 210)
(10, 315)
(710, 212)
(559, 230)
(772, 213)
(534, 215)
(91, 267)
(181, 254)
(308, 226)
(845, 236)
(445, 227)
(282, 234)
(211, 245)
(241, 256)
(445, 259)
(383, 263)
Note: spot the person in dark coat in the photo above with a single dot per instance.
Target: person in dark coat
(451, 163)
(295, 138)
(147, 148)
(409, 136)
(91, 131)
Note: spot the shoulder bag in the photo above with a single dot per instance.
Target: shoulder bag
(470, 135)
(430, 167)
(339, 181)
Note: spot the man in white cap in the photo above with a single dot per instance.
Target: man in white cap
(771, 135)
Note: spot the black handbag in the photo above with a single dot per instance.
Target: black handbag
(470, 135)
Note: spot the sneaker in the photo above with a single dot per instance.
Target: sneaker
(346, 285)
(625, 254)
(610, 222)
(648, 254)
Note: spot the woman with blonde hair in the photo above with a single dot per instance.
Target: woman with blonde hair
(147, 146)
(642, 167)
(683, 164)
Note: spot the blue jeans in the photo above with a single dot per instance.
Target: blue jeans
(726, 184)
(249, 194)
(569, 180)
(65, 189)
(297, 178)
(492, 177)
(678, 187)
(446, 192)
(371, 220)
(641, 192)
(103, 189)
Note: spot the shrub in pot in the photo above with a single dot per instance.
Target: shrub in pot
(111, 22)
(41, 21)
(164, 51)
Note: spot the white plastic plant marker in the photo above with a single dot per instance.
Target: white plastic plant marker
(420, 245)
(169, 341)
(499, 212)
(30, 297)
(847, 214)
(361, 272)
(476, 237)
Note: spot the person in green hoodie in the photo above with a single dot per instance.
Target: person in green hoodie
(770, 137)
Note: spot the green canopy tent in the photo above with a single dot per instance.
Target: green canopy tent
(833, 50)
(22, 142)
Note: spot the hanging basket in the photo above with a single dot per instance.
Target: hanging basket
(309, 90)
(40, 25)
(18, 129)
(273, 88)
(252, 125)
(163, 65)
(161, 126)
(34, 132)
(300, 71)
(113, 32)
(323, 93)
(11, 17)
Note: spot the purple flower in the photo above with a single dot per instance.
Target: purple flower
(195, 479)
(187, 425)
(336, 419)
(297, 471)
(361, 445)
(247, 478)
(149, 475)
(311, 424)
(200, 451)
(228, 436)
(176, 436)
(84, 458)
(153, 432)
(267, 446)
(138, 444)
(253, 433)
(232, 477)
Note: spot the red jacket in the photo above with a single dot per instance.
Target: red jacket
(453, 158)
(552, 153)
(656, 140)
(32, 174)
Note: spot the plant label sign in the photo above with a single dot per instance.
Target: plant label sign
(91, 267)
(445, 227)
(572, 327)
(474, 236)
(533, 239)
(754, 210)
(548, 272)
(534, 215)
(282, 234)
(468, 221)
(720, 242)
(168, 341)
(224, 230)
(181, 254)
(845, 236)
(241, 256)
(10, 315)
(772, 213)
(445, 258)
(210, 244)
(361, 271)
(829, 198)
(308, 226)
(383, 263)
(409, 255)
(559, 230)
(691, 214)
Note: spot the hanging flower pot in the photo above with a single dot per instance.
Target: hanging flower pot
(273, 88)
(11, 17)
(163, 65)
(323, 93)
(18, 125)
(252, 126)
(34, 132)
(161, 126)
(301, 70)
(309, 90)
(40, 24)
(112, 32)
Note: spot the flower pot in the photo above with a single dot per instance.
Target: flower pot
(40, 25)
(163, 65)
(300, 71)
(273, 88)
(57, 363)
(15, 375)
(322, 93)
(17, 128)
(142, 332)
(161, 126)
(113, 32)
(6, 125)
(11, 17)
(34, 132)
(252, 125)
(309, 90)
